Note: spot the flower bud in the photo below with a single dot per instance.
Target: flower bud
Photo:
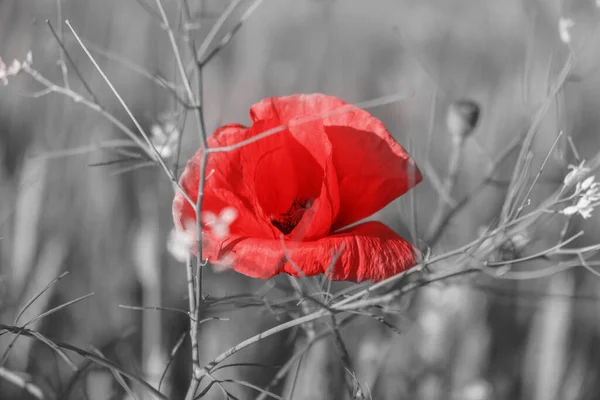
(461, 119)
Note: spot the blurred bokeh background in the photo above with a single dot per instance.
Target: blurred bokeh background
(107, 223)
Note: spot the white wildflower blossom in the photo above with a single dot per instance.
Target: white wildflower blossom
(224, 263)
(587, 183)
(219, 224)
(576, 170)
(164, 137)
(564, 29)
(14, 68)
(181, 243)
(588, 192)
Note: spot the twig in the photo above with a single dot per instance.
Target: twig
(195, 382)
(530, 135)
(537, 176)
(545, 252)
(138, 69)
(65, 54)
(227, 38)
(172, 357)
(182, 72)
(210, 37)
(450, 181)
(60, 38)
(89, 355)
(154, 153)
(432, 240)
(37, 296)
(90, 104)
(109, 144)
(118, 377)
(434, 180)
(43, 315)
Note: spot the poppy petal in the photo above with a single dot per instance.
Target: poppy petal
(374, 171)
(369, 251)
(295, 164)
(372, 168)
(286, 177)
(224, 188)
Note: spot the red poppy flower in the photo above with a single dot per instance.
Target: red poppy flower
(293, 191)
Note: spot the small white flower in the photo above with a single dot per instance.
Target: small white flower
(564, 29)
(587, 183)
(586, 212)
(224, 263)
(575, 171)
(180, 243)
(571, 210)
(584, 202)
(14, 68)
(219, 224)
(588, 192)
(164, 138)
(3, 74)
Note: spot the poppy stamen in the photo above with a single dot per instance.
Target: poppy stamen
(287, 221)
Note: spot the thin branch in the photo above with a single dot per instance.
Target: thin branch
(63, 54)
(109, 144)
(432, 240)
(530, 134)
(37, 296)
(154, 152)
(449, 183)
(227, 38)
(193, 332)
(172, 357)
(90, 104)
(283, 371)
(214, 30)
(545, 252)
(118, 378)
(182, 72)
(89, 355)
(60, 38)
(537, 176)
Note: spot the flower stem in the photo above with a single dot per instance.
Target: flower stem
(442, 207)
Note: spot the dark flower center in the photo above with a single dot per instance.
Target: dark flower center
(287, 221)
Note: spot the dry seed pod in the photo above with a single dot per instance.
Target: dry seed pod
(461, 119)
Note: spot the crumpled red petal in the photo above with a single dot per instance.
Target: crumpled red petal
(369, 251)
